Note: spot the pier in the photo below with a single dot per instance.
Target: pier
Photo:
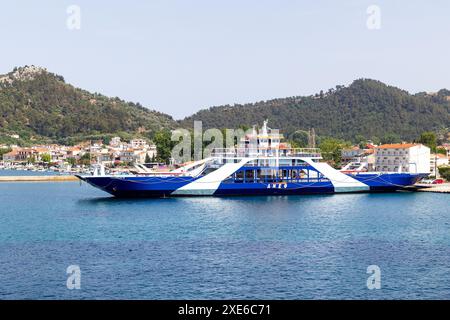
(38, 178)
(438, 188)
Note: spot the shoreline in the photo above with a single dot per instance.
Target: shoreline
(437, 188)
(444, 188)
(38, 178)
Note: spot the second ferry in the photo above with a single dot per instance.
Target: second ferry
(266, 167)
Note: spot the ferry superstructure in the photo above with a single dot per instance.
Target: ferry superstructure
(267, 167)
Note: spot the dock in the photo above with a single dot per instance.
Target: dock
(38, 178)
(438, 188)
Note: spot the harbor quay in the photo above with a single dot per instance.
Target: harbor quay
(59, 178)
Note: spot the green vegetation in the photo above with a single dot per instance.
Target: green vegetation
(445, 172)
(164, 145)
(390, 138)
(71, 161)
(4, 151)
(46, 109)
(366, 108)
(429, 139)
(85, 159)
(332, 150)
(46, 158)
(441, 151)
(299, 139)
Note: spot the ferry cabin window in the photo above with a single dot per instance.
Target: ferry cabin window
(249, 176)
(239, 176)
(259, 176)
(272, 175)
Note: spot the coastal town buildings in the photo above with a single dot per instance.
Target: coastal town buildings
(138, 143)
(446, 147)
(357, 158)
(437, 160)
(402, 157)
(116, 152)
(352, 154)
(356, 154)
(11, 156)
(115, 142)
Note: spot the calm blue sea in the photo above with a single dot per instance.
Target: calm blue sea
(26, 173)
(304, 247)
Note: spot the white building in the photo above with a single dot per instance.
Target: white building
(152, 151)
(436, 161)
(135, 155)
(402, 157)
(352, 154)
(446, 146)
(138, 143)
(115, 141)
(127, 155)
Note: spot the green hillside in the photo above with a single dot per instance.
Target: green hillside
(40, 106)
(367, 108)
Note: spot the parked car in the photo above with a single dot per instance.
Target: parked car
(438, 181)
(426, 181)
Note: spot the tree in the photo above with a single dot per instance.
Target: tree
(299, 139)
(85, 159)
(331, 149)
(163, 145)
(375, 140)
(445, 172)
(46, 158)
(71, 161)
(429, 139)
(391, 138)
(361, 141)
(441, 150)
(4, 151)
(147, 158)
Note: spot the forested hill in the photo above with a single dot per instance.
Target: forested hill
(40, 106)
(367, 107)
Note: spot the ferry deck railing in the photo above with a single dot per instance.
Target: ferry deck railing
(265, 152)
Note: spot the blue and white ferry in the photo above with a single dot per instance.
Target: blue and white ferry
(267, 167)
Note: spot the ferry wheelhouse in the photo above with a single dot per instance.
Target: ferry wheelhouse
(259, 165)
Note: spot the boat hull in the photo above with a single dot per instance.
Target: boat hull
(160, 187)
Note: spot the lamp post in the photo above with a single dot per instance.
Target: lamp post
(435, 165)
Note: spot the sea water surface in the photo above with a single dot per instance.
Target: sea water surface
(296, 247)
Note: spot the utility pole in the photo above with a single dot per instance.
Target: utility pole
(312, 138)
(435, 165)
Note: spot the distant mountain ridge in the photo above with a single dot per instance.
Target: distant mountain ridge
(40, 106)
(367, 107)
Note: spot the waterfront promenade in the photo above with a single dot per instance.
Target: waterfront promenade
(440, 188)
(37, 178)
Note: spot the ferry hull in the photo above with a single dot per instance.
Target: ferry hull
(160, 187)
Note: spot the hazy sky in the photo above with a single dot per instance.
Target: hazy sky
(181, 56)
